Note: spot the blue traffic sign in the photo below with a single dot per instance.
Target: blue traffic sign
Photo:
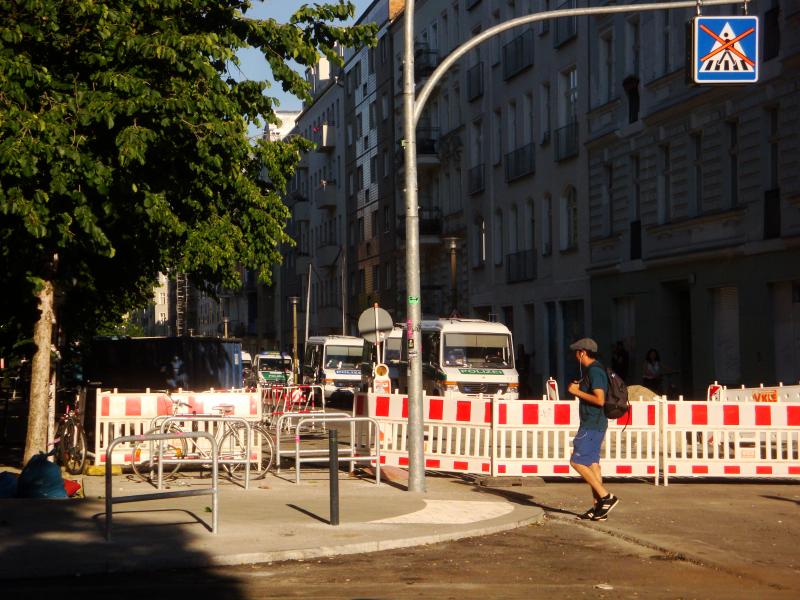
(725, 49)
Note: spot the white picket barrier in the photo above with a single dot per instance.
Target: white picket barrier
(131, 413)
(508, 437)
(534, 437)
(776, 393)
(457, 430)
(731, 439)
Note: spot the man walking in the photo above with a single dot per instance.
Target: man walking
(591, 391)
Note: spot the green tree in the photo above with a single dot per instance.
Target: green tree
(124, 153)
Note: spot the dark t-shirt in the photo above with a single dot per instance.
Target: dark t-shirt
(591, 415)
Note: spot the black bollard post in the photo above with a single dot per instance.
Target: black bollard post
(333, 450)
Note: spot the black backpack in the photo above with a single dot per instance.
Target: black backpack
(616, 404)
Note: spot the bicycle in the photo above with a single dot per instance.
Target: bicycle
(69, 446)
(231, 441)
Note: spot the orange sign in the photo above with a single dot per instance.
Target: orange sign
(766, 396)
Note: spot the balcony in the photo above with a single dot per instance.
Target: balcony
(325, 194)
(301, 211)
(476, 180)
(566, 27)
(521, 266)
(518, 54)
(427, 147)
(327, 251)
(430, 226)
(475, 82)
(520, 162)
(425, 61)
(566, 141)
(325, 137)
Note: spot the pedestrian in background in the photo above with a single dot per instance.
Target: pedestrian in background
(591, 391)
(652, 375)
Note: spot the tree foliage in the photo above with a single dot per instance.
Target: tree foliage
(124, 148)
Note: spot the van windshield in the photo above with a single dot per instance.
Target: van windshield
(478, 350)
(342, 357)
(274, 364)
(393, 349)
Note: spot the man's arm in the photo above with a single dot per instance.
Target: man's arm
(597, 397)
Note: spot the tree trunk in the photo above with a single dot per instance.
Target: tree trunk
(38, 404)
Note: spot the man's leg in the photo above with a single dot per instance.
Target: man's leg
(590, 476)
(599, 475)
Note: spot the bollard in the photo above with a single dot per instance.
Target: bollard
(333, 465)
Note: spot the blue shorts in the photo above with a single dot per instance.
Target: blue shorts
(586, 446)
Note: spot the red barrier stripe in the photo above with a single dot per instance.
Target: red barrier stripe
(105, 402)
(502, 416)
(651, 414)
(730, 415)
(672, 469)
(403, 461)
(133, 406)
(530, 414)
(561, 469)
(383, 460)
(732, 470)
(624, 469)
(794, 470)
(382, 406)
(671, 414)
(651, 470)
(436, 411)
(561, 415)
(501, 468)
(433, 464)
(764, 470)
(487, 412)
(530, 468)
(763, 414)
(699, 469)
(461, 465)
(793, 416)
(405, 407)
(485, 467)
(699, 414)
(463, 410)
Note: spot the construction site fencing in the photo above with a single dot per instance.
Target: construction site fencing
(495, 436)
(289, 421)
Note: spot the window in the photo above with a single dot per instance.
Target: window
(547, 225)
(632, 46)
(497, 126)
(362, 283)
(372, 118)
(606, 58)
(385, 164)
(498, 238)
(359, 179)
(608, 193)
(361, 232)
(385, 106)
(373, 169)
(359, 125)
(733, 163)
(664, 185)
(387, 223)
(511, 129)
(569, 219)
(665, 43)
(479, 251)
(513, 224)
(477, 143)
(376, 277)
(371, 60)
(696, 155)
(569, 96)
(544, 111)
(527, 131)
(375, 224)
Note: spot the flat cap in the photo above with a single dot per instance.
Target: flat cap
(584, 344)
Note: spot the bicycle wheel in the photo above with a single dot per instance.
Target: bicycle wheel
(233, 443)
(146, 467)
(72, 448)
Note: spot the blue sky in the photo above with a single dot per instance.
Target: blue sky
(253, 65)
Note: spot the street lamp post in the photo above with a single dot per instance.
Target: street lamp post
(293, 301)
(451, 243)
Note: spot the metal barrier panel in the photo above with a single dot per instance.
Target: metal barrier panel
(130, 413)
(534, 437)
(731, 439)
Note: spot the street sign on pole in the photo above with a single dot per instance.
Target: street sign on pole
(725, 49)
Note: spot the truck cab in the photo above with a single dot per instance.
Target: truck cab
(333, 361)
(468, 356)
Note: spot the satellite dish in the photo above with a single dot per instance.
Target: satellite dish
(372, 320)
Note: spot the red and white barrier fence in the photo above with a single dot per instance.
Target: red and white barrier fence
(776, 393)
(731, 439)
(122, 414)
(534, 437)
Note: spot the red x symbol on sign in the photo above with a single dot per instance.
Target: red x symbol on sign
(727, 45)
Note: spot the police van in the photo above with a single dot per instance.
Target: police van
(272, 368)
(334, 362)
(468, 356)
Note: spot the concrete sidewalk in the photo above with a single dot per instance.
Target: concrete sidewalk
(274, 520)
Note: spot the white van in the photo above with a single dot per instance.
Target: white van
(468, 356)
(333, 361)
(273, 368)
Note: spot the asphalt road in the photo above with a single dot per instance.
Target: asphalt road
(558, 559)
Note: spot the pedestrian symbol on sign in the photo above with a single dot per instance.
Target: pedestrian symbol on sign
(725, 49)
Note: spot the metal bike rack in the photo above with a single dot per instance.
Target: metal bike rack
(351, 458)
(213, 490)
(301, 415)
(216, 418)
